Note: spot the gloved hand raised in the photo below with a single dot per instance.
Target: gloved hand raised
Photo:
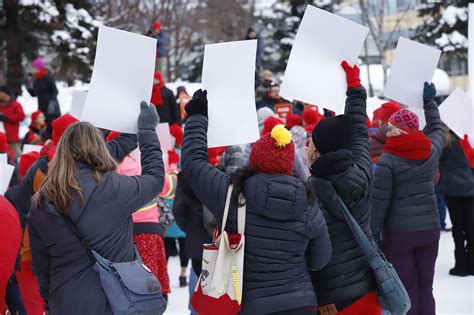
(429, 92)
(198, 104)
(148, 118)
(352, 75)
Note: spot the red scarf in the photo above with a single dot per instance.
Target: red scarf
(156, 97)
(410, 146)
(41, 73)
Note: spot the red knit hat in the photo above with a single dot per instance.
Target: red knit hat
(311, 116)
(177, 132)
(214, 154)
(157, 26)
(310, 128)
(60, 125)
(405, 120)
(35, 115)
(26, 160)
(293, 120)
(270, 123)
(273, 153)
(387, 110)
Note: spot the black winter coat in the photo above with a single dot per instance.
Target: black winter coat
(169, 111)
(118, 148)
(285, 233)
(61, 263)
(403, 196)
(348, 174)
(45, 89)
(187, 211)
(457, 177)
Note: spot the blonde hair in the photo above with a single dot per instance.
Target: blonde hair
(81, 142)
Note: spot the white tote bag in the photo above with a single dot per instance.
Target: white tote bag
(219, 288)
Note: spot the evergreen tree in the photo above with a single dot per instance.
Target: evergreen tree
(445, 27)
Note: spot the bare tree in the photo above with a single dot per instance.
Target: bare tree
(374, 16)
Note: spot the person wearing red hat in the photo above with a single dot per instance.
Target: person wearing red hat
(11, 115)
(293, 120)
(5, 149)
(163, 99)
(36, 129)
(378, 138)
(285, 231)
(161, 47)
(270, 123)
(404, 207)
(339, 153)
(311, 117)
(10, 238)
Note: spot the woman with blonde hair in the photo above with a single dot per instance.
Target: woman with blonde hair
(82, 185)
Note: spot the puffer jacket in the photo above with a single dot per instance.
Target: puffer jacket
(377, 141)
(285, 233)
(348, 174)
(457, 177)
(403, 196)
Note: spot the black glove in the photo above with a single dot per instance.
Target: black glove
(148, 118)
(3, 117)
(198, 104)
(429, 92)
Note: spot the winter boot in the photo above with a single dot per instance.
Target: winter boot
(182, 282)
(461, 266)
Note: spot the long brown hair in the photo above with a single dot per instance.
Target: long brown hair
(448, 137)
(81, 142)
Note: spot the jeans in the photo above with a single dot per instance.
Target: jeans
(441, 207)
(193, 279)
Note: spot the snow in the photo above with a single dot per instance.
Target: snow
(48, 10)
(454, 295)
(452, 14)
(452, 42)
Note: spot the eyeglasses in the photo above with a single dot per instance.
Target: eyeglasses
(391, 128)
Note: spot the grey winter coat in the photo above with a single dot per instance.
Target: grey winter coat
(285, 233)
(67, 280)
(403, 196)
(457, 177)
(348, 174)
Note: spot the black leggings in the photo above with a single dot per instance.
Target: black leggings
(461, 211)
(172, 250)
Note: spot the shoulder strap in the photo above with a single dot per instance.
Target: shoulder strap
(364, 243)
(226, 207)
(72, 227)
(241, 211)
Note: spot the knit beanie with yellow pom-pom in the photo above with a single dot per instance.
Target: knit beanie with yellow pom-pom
(273, 153)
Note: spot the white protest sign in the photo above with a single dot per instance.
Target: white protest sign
(3, 158)
(6, 172)
(470, 36)
(229, 69)
(314, 74)
(163, 131)
(457, 112)
(413, 65)
(164, 135)
(27, 148)
(122, 78)
(78, 102)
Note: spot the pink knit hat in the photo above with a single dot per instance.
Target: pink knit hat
(405, 120)
(38, 63)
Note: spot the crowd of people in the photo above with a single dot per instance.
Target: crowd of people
(97, 191)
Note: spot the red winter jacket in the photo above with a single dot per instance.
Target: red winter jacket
(10, 238)
(15, 115)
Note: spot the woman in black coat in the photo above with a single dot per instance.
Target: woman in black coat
(82, 184)
(339, 151)
(285, 232)
(44, 87)
(457, 185)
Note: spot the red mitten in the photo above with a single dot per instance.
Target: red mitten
(468, 150)
(352, 75)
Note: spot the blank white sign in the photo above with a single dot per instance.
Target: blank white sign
(457, 112)
(6, 172)
(27, 148)
(3, 158)
(314, 74)
(78, 102)
(123, 77)
(228, 75)
(413, 64)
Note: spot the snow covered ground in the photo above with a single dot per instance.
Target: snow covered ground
(454, 295)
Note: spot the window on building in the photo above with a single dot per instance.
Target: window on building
(454, 66)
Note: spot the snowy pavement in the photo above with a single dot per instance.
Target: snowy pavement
(454, 295)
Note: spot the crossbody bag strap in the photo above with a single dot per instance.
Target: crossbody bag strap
(364, 243)
(226, 207)
(241, 212)
(72, 227)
